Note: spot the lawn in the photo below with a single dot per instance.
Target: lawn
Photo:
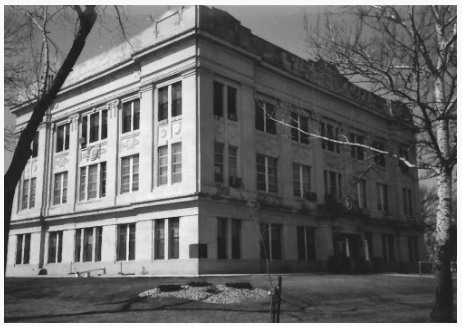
(306, 298)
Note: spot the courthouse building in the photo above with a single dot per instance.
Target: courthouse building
(152, 159)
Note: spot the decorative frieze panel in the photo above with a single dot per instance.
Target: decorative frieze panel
(112, 106)
(74, 122)
(163, 132)
(130, 142)
(218, 130)
(232, 130)
(176, 128)
(93, 153)
(60, 162)
(303, 155)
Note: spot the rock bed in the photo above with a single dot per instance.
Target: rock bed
(218, 294)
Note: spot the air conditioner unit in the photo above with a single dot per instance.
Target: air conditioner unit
(235, 182)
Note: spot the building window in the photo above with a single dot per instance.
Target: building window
(332, 186)
(232, 165)
(267, 173)
(330, 131)
(265, 115)
(55, 247)
(62, 138)
(93, 181)
(91, 241)
(272, 241)
(163, 101)
(404, 153)
(362, 201)
(305, 243)
(357, 152)
(219, 159)
(407, 198)
(235, 239)
(23, 249)
(382, 197)
(126, 242)
(162, 177)
(220, 106)
(35, 144)
(131, 116)
(176, 163)
(174, 233)
(160, 239)
(130, 174)
(370, 243)
(222, 231)
(302, 180)
(60, 189)
(28, 193)
(299, 129)
(97, 129)
(388, 248)
(379, 158)
(413, 248)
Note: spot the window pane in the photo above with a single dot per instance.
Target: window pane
(94, 127)
(131, 244)
(294, 124)
(232, 161)
(296, 180)
(236, 239)
(88, 244)
(218, 99)
(127, 117)
(176, 163)
(84, 131)
(306, 178)
(57, 190)
(219, 153)
(232, 112)
(53, 237)
(35, 145)
(259, 116)
(92, 181)
(304, 127)
(32, 192)
(136, 115)
(104, 124)
(176, 99)
(125, 177)
(99, 243)
(122, 242)
(276, 241)
(261, 173)
(136, 175)
(102, 182)
(163, 166)
(264, 245)
(301, 243)
(175, 238)
(25, 193)
(163, 104)
(160, 238)
(270, 115)
(66, 142)
(310, 243)
(26, 249)
(19, 243)
(60, 139)
(221, 237)
(78, 243)
(83, 179)
(272, 175)
(64, 187)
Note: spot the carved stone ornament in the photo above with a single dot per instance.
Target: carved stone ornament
(162, 132)
(61, 161)
(74, 122)
(130, 143)
(218, 129)
(94, 153)
(112, 106)
(232, 130)
(27, 171)
(176, 127)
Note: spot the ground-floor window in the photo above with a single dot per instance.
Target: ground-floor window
(222, 230)
(235, 239)
(88, 243)
(172, 235)
(388, 248)
(23, 248)
(55, 247)
(126, 241)
(272, 241)
(306, 244)
(413, 248)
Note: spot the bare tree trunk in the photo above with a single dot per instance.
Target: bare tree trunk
(22, 153)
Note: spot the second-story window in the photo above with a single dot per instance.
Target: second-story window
(176, 163)
(220, 105)
(219, 159)
(232, 164)
(382, 197)
(265, 115)
(93, 181)
(62, 137)
(131, 116)
(60, 189)
(28, 193)
(330, 131)
(299, 128)
(302, 180)
(357, 152)
(35, 144)
(162, 177)
(174, 92)
(94, 127)
(407, 198)
(267, 173)
(379, 158)
(362, 202)
(404, 153)
(130, 174)
(332, 186)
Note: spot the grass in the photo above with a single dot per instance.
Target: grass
(308, 298)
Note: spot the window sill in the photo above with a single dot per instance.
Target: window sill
(176, 118)
(90, 201)
(129, 134)
(264, 133)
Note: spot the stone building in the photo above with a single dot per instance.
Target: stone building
(151, 159)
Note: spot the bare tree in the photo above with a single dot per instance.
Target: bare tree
(36, 69)
(408, 55)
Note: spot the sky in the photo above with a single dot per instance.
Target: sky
(281, 25)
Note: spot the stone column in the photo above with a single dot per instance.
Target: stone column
(112, 150)
(74, 158)
(347, 248)
(366, 249)
(146, 138)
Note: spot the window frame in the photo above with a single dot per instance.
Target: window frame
(27, 201)
(86, 128)
(267, 234)
(224, 103)
(62, 190)
(162, 178)
(23, 249)
(174, 233)
(131, 174)
(383, 199)
(219, 152)
(262, 110)
(296, 135)
(357, 152)
(330, 129)
(338, 177)
(306, 252)
(62, 145)
(177, 163)
(168, 105)
(101, 177)
(222, 238)
(413, 248)
(379, 158)
(58, 247)
(159, 239)
(129, 235)
(35, 145)
(267, 167)
(388, 248)
(362, 194)
(298, 168)
(408, 203)
(129, 104)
